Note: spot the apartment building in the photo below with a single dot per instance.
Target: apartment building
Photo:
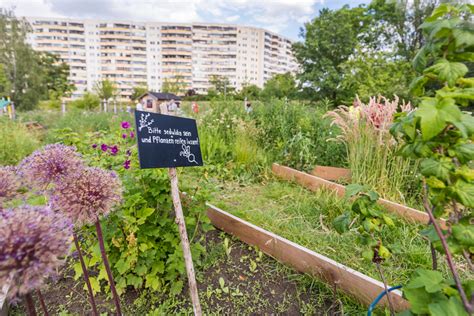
(153, 53)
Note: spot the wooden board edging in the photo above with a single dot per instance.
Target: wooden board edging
(313, 183)
(332, 173)
(355, 284)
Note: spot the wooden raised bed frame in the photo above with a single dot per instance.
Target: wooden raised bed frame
(355, 284)
(314, 183)
(332, 173)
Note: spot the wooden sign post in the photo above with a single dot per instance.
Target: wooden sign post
(166, 141)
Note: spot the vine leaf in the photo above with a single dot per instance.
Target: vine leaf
(431, 281)
(451, 307)
(437, 168)
(448, 71)
(464, 192)
(342, 222)
(436, 114)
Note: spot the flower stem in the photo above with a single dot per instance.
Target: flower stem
(30, 305)
(42, 303)
(86, 276)
(107, 267)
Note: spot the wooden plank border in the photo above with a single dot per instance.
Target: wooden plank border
(332, 173)
(314, 183)
(358, 285)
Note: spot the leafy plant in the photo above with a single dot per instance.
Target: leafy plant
(368, 218)
(441, 135)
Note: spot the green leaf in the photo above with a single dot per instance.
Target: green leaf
(122, 266)
(384, 252)
(342, 222)
(456, 93)
(451, 307)
(464, 233)
(374, 196)
(431, 281)
(448, 71)
(354, 189)
(417, 85)
(435, 183)
(435, 114)
(437, 168)
(465, 172)
(464, 192)
(152, 281)
(464, 152)
(388, 221)
(463, 36)
(420, 60)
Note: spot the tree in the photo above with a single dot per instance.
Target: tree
(280, 86)
(105, 89)
(250, 91)
(5, 85)
(20, 63)
(221, 84)
(175, 85)
(368, 73)
(55, 76)
(138, 91)
(329, 40)
(89, 101)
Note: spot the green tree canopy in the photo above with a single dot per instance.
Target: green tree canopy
(250, 91)
(105, 89)
(280, 86)
(138, 91)
(329, 40)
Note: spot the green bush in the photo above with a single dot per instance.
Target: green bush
(16, 141)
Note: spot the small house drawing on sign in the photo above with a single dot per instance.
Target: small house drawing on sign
(151, 101)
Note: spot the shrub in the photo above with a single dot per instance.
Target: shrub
(16, 142)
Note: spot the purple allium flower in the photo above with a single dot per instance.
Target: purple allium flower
(132, 134)
(104, 147)
(94, 146)
(50, 164)
(125, 125)
(33, 243)
(89, 195)
(9, 184)
(114, 150)
(126, 164)
(124, 136)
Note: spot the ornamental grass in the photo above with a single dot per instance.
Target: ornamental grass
(372, 151)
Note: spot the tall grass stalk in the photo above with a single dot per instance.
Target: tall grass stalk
(371, 150)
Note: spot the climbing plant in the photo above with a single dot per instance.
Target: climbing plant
(441, 135)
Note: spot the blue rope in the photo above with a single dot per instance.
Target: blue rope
(379, 297)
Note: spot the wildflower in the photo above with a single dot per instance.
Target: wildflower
(9, 184)
(50, 164)
(132, 134)
(33, 242)
(89, 195)
(129, 152)
(126, 164)
(104, 147)
(114, 150)
(124, 136)
(125, 125)
(94, 146)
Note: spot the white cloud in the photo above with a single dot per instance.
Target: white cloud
(275, 15)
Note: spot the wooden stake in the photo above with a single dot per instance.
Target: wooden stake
(188, 260)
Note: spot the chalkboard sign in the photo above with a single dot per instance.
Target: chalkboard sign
(166, 141)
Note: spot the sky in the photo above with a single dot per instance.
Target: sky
(284, 17)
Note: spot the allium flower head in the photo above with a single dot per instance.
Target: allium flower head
(33, 242)
(89, 195)
(104, 147)
(114, 150)
(50, 164)
(9, 184)
(132, 134)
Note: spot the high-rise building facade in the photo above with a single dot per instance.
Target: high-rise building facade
(152, 54)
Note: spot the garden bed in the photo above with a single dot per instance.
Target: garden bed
(234, 278)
